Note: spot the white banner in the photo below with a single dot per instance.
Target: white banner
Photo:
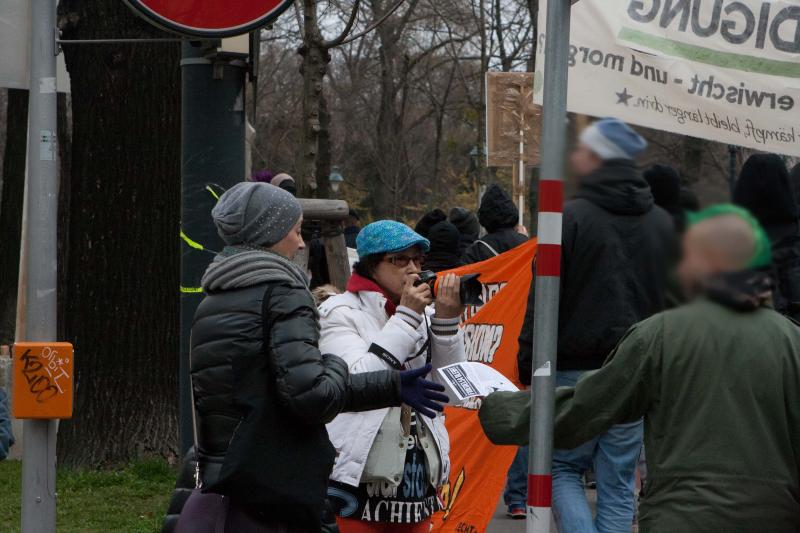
(15, 27)
(723, 70)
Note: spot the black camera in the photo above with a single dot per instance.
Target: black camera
(470, 288)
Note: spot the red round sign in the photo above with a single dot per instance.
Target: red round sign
(210, 18)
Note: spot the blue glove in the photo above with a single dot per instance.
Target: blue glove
(420, 394)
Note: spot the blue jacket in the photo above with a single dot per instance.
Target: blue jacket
(6, 436)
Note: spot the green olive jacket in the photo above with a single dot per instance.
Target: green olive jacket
(719, 391)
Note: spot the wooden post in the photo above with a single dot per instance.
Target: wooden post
(331, 213)
(336, 253)
(333, 210)
(519, 191)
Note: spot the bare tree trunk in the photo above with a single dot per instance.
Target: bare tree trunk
(533, 9)
(11, 209)
(64, 135)
(441, 111)
(482, 174)
(121, 296)
(324, 149)
(313, 69)
(392, 166)
(694, 149)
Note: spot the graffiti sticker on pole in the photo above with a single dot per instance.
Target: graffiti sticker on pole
(210, 18)
(43, 380)
(722, 71)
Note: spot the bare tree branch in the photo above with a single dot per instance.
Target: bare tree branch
(347, 29)
(374, 25)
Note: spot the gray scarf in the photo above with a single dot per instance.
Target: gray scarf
(236, 268)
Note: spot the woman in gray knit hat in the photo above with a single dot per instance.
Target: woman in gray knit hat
(262, 390)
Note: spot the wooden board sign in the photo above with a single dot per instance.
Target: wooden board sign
(43, 374)
(509, 107)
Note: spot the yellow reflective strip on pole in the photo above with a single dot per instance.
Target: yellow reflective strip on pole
(213, 193)
(190, 242)
(191, 290)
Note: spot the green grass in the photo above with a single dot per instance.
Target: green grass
(131, 500)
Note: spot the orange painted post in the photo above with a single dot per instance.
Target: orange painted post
(42, 380)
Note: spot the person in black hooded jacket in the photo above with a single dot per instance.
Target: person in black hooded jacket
(443, 254)
(499, 216)
(617, 246)
(665, 184)
(428, 220)
(766, 190)
(468, 226)
(794, 177)
(262, 390)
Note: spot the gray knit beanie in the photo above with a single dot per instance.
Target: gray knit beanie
(254, 213)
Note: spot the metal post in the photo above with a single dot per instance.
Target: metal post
(548, 266)
(213, 159)
(521, 169)
(39, 454)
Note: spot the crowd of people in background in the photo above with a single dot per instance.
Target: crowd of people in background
(322, 413)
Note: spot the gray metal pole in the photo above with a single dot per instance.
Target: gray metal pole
(548, 266)
(213, 159)
(39, 453)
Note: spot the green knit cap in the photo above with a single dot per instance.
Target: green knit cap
(763, 252)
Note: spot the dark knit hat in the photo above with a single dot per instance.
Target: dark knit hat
(497, 210)
(466, 222)
(428, 220)
(444, 237)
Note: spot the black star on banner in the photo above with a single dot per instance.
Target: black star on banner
(624, 96)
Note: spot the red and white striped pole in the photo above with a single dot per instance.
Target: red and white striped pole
(548, 266)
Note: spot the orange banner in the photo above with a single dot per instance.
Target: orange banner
(479, 468)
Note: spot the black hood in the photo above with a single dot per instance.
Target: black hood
(619, 187)
(466, 222)
(794, 178)
(428, 220)
(444, 237)
(497, 210)
(764, 189)
(444, 253)
(665, 184)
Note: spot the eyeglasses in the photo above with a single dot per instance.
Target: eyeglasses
(402, 261)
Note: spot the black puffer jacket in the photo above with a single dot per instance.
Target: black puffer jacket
(183, 489)
(261, 406)
(499, 216)
(617, 247)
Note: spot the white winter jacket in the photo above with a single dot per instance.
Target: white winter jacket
(350, 324)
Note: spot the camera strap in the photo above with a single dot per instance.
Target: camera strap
(387, 357)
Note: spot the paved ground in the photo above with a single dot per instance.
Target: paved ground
(502, 524)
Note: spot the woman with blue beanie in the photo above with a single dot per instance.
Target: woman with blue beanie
(390, 461)
(262, 389)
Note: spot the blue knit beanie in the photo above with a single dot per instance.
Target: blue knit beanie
(388, 236)
(610, 138)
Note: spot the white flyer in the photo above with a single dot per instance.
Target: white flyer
(471, 380)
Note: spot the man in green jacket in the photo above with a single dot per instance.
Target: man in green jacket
(717, 382)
